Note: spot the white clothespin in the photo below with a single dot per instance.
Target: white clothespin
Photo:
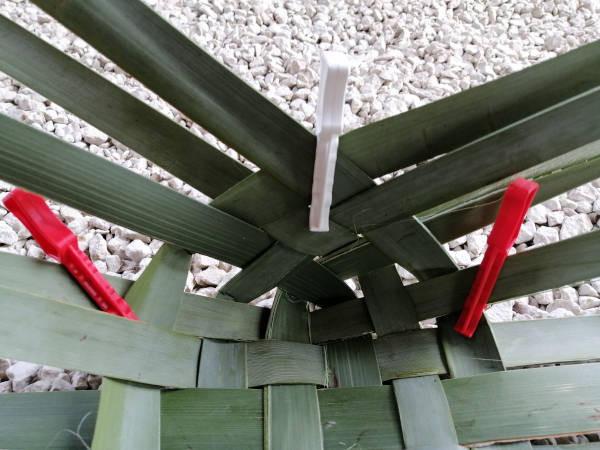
(332, 86)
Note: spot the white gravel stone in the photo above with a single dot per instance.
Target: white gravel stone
(38, 386)
(587, 302)
(526, 232)
(130, 234)
(79, 381)
(545, 235)
(500, 312)
(98, 248)
(461, 257)
(200, 262)
(567, 304)
(92, 135)
(21, 374)
(4, 364)
(117, 245)
(587, 289)
(94, 381)
(69, 213)
(99, 224)
(552, 204)
(17, 226)
(62, 383)
(5, 387)
(113, 263)
(457, 242)
(137, 250)
(79, 225)
(7, 234)
(575, 225)
(559, 313)
(555, 218)
(101, 266)
(537, 214)
(544, 298)
(596, 284)
(49, 373)
(476, 244)
(211, 276)
(567, 293)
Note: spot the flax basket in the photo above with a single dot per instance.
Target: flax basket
(322, 369)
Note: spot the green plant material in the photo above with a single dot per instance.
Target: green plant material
(529, 403)
(469, 356)
(424, 414)
(410, 244)
(47, 420)
(551, 266)
(352, 363)
(156, 296)
(199, 86)
(264, 273)
(345, 320)
(292, 418)
(49, 280)
(284, 362)
(291, 412)
(220, 319)
(480, 208)
(526, 445)
(77, 338)
(129, 413)
(292, 229)
(566, 262)
(313, 282)
(288, 320)
(263, 202)
(548, 341)
(128, 416)
(357, 258)
(212, 418)
(198, 316)
(545, 135)
(390, 307)
(46, 165)
(476, 209)
(409, 354)
(222, 365)
(438, 127)
(345, 425)
(116, 112)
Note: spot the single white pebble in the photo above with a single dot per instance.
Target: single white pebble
(7, 234)
(588, 302)
(137, 250)
(94, 136)
(587, 290)
(212, 276)
(69, 213)
(98, 248)
(113, 263)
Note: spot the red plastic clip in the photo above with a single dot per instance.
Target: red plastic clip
(516, 201)
(61, 244)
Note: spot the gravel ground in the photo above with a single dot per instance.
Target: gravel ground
(404, 55)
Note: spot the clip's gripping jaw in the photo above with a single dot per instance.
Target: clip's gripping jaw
(516, 201)
(57, 241)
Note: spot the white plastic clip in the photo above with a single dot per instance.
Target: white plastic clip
(332, 86)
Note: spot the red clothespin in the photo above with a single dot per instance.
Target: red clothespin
(516, 201)
(61, 244)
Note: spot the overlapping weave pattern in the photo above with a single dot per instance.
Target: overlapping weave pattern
(356, 373)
